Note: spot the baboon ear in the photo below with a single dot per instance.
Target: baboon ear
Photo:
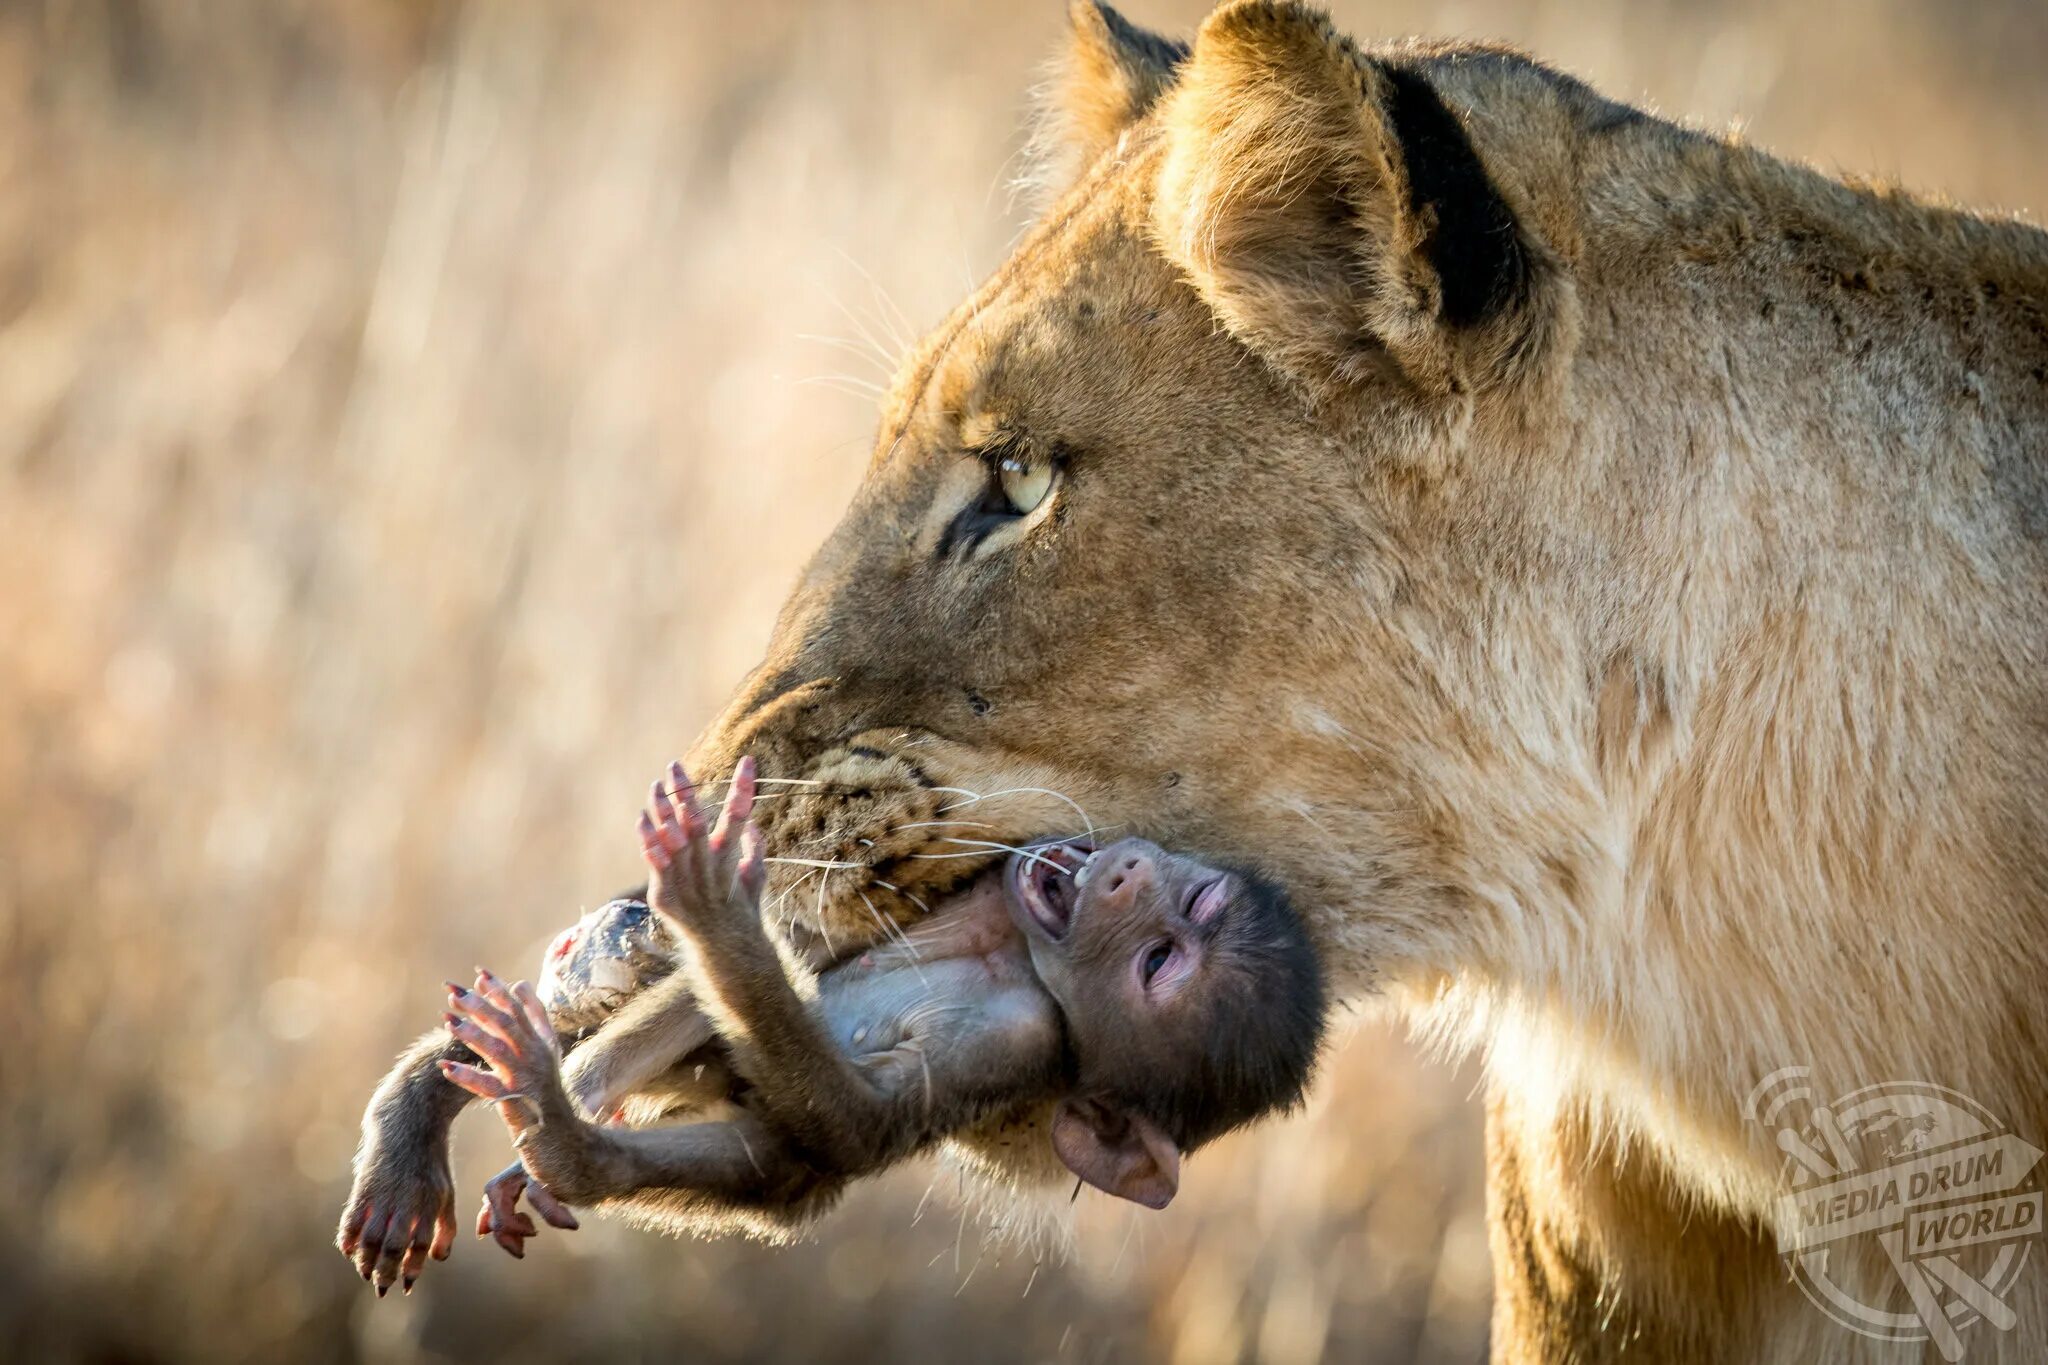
(1117, 1152)
(1329, 206)
(1110, 75)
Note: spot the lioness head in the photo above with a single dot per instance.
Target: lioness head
(1168, 530)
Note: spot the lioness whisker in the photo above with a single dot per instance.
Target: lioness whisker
(789, 891)
(860, 326)
(853, 389)
(713, 799)
(894, 931)
(891, 318)
(991, 845)
(1022, 791)
(706, 789)
(993, 848)
(905, 894)
(1049, 842)
(824, 932)
(860, 350)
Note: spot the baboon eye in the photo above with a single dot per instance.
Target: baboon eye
(1024, 482)
(1205, 902)
(1155, 959)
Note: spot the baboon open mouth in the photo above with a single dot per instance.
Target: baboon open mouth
(1047, 880)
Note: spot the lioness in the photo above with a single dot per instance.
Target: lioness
(1598, 567)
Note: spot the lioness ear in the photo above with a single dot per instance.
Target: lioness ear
(1329, 206)
(1119, 1153)
(1111, 74)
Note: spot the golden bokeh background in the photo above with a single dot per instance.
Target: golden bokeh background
(411, 414)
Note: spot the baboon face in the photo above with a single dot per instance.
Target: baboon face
(1192, 1001)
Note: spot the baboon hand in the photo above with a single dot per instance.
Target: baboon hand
(508, 1030)
(501, 1219)
(701, 878)
(400, 1211)
(521, 1073)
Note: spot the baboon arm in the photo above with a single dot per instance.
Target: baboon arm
(400, 1206)
(415, 1105)
(737, 1163)
(708, 889)
(834, 1112)
(402, 1171)
(646, 1036)
(706, 1174)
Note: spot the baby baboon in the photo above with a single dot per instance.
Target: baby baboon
(1158, 1001)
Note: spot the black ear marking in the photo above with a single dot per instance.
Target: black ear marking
(1161, 54)
(1475, 246)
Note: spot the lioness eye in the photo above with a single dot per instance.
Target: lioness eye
(1025, 483)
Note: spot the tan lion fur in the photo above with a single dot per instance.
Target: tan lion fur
(1645, 685)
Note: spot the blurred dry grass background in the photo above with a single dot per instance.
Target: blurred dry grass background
(405, 436)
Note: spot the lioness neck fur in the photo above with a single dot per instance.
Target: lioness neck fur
(1599, 567)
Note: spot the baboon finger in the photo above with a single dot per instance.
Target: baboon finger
(470, 1001)
(739, 807)
(499, 1219)
(667, 828)
(351, 1230)
(496, 1050)
(502, 1015)
(397, 1241)
(536, 1012)
(652, 848)
(415, 1258)
(483, 1084)
(689, 812)
(371, 1243)
(553, 1210)
(752, 873)
(476, 1007)
(502, 1190)
(444, 1231)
